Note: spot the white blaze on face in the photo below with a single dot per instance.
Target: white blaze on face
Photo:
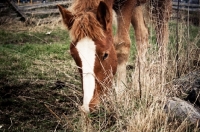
(86, 50)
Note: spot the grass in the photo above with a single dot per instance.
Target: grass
(17, 59)
(33, 37)
(32, 74)
(41, 88)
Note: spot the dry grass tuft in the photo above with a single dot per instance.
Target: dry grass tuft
(146, 114)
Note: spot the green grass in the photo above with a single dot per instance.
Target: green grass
(28, 37)
(31, 69)
(16, 60)
(187, 34)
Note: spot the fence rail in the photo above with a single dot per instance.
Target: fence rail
(186, 6)
(49, 8)
(38, 9)
(187, 12)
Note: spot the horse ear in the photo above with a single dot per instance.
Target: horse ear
(103, 15)
(67, 17)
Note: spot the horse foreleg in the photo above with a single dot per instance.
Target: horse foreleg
(141, 34)
(161, 15)
(122, 44)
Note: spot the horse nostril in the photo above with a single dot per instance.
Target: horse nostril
(105, 55)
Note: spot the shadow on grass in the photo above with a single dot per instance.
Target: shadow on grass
(23, 106)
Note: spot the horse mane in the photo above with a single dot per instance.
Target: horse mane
(85, 21)
(82, 5)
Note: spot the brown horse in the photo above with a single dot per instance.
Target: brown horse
(92, 47)
(90, 27)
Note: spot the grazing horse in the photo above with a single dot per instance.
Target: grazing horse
(90, 27)
(92, 47)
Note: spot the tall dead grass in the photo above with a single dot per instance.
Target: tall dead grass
(142, 107)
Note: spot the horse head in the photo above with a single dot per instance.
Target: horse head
(92, 49)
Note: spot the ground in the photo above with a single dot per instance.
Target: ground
(40, 87)
(30, 100)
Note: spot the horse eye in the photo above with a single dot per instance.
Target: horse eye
(105, 56)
